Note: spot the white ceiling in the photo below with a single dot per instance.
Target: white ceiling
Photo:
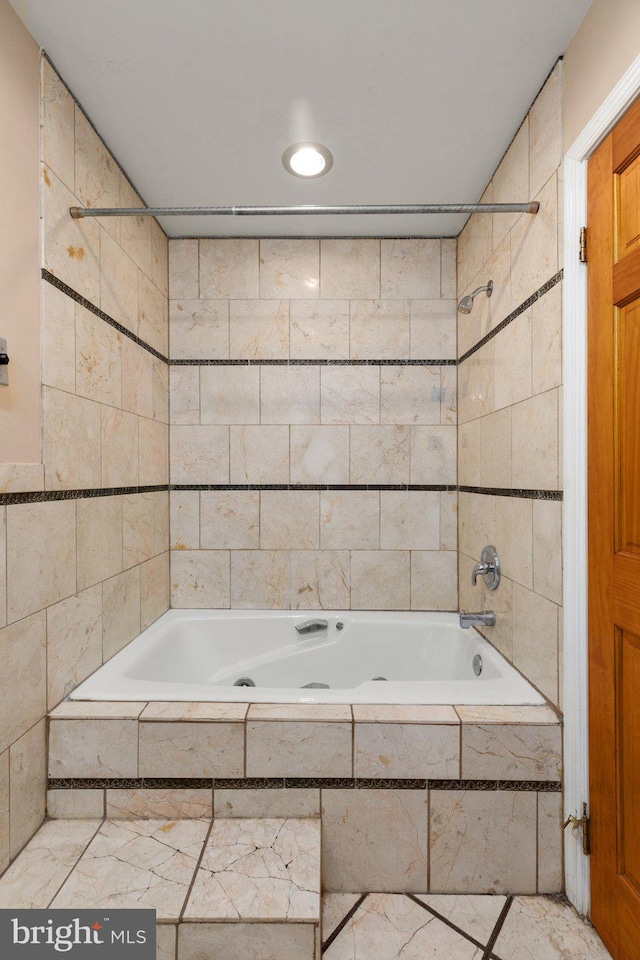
(416, 99)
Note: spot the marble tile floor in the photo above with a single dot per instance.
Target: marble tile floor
(379, 926)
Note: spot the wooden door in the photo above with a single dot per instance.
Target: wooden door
(614, 534)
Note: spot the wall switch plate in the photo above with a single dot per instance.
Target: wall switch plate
(4, 367)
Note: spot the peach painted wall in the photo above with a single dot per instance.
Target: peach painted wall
(604, 47)
(19, 239)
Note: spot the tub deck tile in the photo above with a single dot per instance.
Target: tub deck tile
(196, 711)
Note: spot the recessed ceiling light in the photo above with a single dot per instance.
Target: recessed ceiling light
(307, 160)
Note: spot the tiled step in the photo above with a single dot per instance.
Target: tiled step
(228, 888)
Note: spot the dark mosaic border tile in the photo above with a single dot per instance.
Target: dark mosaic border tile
(249, 783)
(45, 496)
(521, 493)
(282, 783)
(371, 783)
(538, 786)
(549, 285)
(174, 783)
(410, 487)
(321, 362)
(74, 295)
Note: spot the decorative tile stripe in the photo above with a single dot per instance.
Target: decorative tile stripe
(315, 486)
(324, 362)
(309, 783)
(44, 496)
(506, 492)
(549, 285)
(74, 295)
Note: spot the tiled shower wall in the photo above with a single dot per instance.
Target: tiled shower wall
(313, 423)
(510, 398)
(83, 537)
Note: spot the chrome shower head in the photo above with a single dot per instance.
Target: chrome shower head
(466, 304)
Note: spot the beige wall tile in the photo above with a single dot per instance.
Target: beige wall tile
(71, 427)
(546, 340)
(434, 580)
(230, 394)
(138, 368)
(4, 806)
(433, 329)
(153, 439)
(289, 519)
(99, 539)
(120, 611)
(484, 451)
(511, 182)
(260, 454)
(410, 268)
(480, 598)
(229, 269)
(58, 122)
(97, 177)
(188, 710)
(550, 865)
(163, 804)
(448, 520)
(535, 442)
(28, 785)
(320, 579)
(477, 244)
(199, 329)
(153, 319)
(118, 284)
(409, 520)
(139, 535)
(260, 579)
(380, 580)
(545, 132)
(482, 841)
(319, 454)
(350, 269)
(58, 339)
(380, 329)
(184, 393)
(433, 454)
(135, 232)
(448, 395)
(547, 549)
(159, 258)
(513, 538)
(120, 447)
(185, 520)
(535, 640)
(98, 710)
(230, 519)
(448, 279)
(260, 941)
(477, 522)
(23, 688)
(74, 642)
(286, 802)
(476, 390)
(93, 748)
(501, 303)
(374, 840)
(319, 329)
(154, 589)
(289, 268)
(501, 714)
(410, 394)
(512, 358)
(259, 329)
(534, 245)
(183, 270)
(200, 578)
(71, 247)
(290, 394)
(412, 750)
(298, 749)
(160, 386)
(502, 751)
(75, 804)
(350, 519)
(350, 395)
(380, 454)
(41, 555)
(199, 454)
(191, 749)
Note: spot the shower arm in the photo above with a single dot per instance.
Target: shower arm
(79, 213)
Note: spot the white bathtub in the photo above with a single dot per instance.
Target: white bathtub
(199, 654)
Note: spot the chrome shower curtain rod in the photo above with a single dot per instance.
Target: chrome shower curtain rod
(79, 213)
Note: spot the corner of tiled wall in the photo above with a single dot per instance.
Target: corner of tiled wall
(510, 397)
(313, 423)
(84, 564)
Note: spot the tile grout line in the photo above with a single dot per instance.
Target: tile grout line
(345, 920)
(81, 855)
(495, 933)
(445, 920)
(193, 878)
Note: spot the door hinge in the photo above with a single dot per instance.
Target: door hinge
(582, 824)
(583, 244)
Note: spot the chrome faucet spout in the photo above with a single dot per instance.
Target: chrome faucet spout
(485, 619)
